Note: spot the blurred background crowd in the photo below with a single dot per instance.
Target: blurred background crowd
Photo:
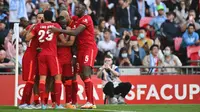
(133, 32)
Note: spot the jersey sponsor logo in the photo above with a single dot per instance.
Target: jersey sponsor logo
(85, 21)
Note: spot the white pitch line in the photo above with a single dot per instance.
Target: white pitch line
(105, 110)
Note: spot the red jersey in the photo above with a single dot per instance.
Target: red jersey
(33, 43)
(85, 40)
(47, 40)
(64, 53)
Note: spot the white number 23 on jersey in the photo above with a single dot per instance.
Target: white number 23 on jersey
(42, 37)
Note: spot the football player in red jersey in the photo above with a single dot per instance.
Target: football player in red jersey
(65, 57)
(47, 58)
(29, 65)
(86, 49)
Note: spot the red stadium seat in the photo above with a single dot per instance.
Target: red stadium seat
(192, 53)
(145, 20)
(192, 49)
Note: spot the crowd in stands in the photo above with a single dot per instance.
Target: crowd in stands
(118, 29)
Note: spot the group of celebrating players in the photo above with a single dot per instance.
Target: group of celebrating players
(47, 62)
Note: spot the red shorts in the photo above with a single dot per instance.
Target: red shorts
(48, 64)
(85, 58)
(29, 66)
(66, 69)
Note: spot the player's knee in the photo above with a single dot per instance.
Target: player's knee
(42, 78)
(87, 71)
(58, 77)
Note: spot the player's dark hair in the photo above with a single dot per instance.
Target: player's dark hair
(48, 15)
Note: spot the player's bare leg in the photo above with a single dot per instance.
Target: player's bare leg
(74, 91)
(57, 90)
(68, 92)
(50, 89)
(86, 77)
(36, 90)
(26, 95)
(42, 91)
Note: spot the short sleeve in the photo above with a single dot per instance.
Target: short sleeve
(34, 31)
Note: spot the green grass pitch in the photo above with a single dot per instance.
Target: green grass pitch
(118, 108)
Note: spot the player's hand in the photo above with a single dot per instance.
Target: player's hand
(53, 30)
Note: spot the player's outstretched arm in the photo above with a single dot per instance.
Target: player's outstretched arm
(65, 43)
(73, 32)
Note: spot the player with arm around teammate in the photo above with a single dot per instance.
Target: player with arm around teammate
(47, 58)
(86, 50)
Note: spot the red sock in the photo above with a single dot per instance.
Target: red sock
(74, 91)
(36, 99)
(89, 90)
(57, 90)
(53, 99)
(46, 97)
(42, 90)
(68, 90)
(26, 97)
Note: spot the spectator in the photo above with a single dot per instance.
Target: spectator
(171, 4)
(112, 85)
(136, 31)
(102, 26)
(170, 60)
(193, 5)
(181, 13)
(3, 34)
(21, 54)
(97, 34)
(151, 33)
(152, 60)
(143, 7)
(169, 30)
(154, 8)
(3, 16)
(144, 41)
(127, 16)
(53, 9)
(107, 44)
(4, 5)
(30, 8)
(4, 62)
(123, 59)
(135, 52)
(125, 41)
(157, 21)
(190, 37)
(9, 47)
(110, 25)
(190, 20)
